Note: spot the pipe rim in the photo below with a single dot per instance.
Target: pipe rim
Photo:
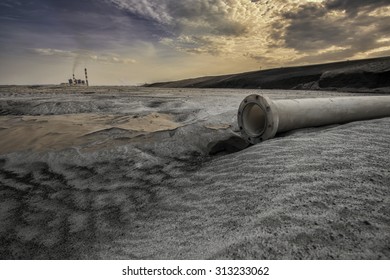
(267, 127)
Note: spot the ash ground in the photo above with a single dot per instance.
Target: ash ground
(148, 173)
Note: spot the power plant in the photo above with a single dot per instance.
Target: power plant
(79, 82)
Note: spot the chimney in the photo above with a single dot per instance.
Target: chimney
(86, 77)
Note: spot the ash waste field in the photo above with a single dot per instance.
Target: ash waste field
(151, 173)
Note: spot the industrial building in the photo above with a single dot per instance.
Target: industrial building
(79, 82)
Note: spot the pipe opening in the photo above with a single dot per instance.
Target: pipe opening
(257, 119)
(254, 120)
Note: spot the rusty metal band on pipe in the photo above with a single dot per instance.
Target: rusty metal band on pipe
(260, 118)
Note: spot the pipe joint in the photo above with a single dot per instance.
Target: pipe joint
(258, 119)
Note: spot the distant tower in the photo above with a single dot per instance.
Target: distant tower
(74, 80)
(86, 77)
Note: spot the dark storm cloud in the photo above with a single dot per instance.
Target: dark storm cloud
(311, 34)
(352, 7)
(313, 28)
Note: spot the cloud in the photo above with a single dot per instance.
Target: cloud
(90, 24)
(335, 29)
(271, 32)
(194, 36)
(203, 25)
(111, 58)
(53, 52)
(149, 9)
(353, 7)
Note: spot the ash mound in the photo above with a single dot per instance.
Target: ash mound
(369, 75)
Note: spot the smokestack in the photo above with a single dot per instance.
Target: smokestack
(86, 77)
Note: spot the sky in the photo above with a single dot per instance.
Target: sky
(132, 42)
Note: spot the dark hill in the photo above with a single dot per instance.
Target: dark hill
(367, 74)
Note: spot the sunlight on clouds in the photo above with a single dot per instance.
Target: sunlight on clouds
(242, 28)
(85, 55)
(332, 49)
(379, 50)
(208, 26)
(384, 40)
(382, 11)
(219, 35)
(54, 52)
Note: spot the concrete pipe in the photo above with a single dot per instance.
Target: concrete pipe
(260, 118)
